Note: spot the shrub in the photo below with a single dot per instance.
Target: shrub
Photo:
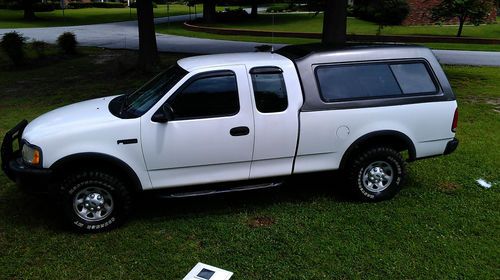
(134, 5)
(67, 43)
(37, 7)
(39, 47)
(108, 5)
(80, 5)
(13, 45)
(232, 15)
(43, 7)
(382, 12)
(278, 8)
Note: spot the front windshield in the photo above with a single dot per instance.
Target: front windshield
(140, 101)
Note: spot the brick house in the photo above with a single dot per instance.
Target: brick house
(420, 12)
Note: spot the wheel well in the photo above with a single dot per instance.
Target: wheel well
(97, 161)
(394, 139)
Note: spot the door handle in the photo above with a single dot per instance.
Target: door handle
(239, 131)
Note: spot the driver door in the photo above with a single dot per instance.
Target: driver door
(211, 136)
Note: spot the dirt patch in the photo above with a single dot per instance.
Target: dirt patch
(449, 187)
(105, 57)
(261, 221)
(495, 102)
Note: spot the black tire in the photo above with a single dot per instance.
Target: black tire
(97, 189)
(367, 183)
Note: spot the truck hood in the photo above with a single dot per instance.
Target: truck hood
(82, 116)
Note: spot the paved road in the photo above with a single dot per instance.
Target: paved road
(124, 35)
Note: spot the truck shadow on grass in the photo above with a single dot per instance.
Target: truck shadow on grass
(37, 212)
(296, 189)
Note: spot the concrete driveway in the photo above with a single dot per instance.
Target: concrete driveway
(124, 35)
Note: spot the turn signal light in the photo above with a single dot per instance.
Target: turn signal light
(36, 158)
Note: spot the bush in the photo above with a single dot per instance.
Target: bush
(232, 15)
(382, 12)
(134, 5)
(67, 43)
(37, 7)
(13, 45)
(278, 8)
(39, 47)
(43, 7)
(80, 5)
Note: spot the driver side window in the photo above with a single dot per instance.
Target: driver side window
(211, 95)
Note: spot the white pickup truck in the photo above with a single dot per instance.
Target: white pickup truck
(235, 122)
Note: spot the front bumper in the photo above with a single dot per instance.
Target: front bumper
(29, 178)
(33, 180)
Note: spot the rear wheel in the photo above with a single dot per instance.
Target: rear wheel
(376, 174)
(94, 201)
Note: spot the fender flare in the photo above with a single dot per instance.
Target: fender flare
(80, 158)
(380, 134)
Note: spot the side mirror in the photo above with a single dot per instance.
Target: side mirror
(164, 114)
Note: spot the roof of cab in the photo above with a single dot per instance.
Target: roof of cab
(250, 58)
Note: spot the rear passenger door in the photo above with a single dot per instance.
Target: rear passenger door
(276, 121)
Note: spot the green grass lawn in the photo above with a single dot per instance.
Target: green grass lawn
(310, 23)
(441, 226)
(14, 19)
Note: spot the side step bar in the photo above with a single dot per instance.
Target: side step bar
(224, 190)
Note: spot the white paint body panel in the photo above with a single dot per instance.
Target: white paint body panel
(428, 125)
(186, 152)
(87, 127)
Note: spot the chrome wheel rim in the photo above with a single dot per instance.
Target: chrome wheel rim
(378, 176)
(93, 204)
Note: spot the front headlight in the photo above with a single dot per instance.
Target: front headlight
(31, 154)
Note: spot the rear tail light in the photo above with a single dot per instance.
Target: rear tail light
(455, 121)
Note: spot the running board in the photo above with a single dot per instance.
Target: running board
(221, 191)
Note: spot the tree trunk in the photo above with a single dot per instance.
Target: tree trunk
(209, 10)
(29, 13)
(255, 7)
(148, 51)
(461, 22)
(335, 23)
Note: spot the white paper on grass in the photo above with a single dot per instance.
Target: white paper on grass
(483, 183)
(219, 274)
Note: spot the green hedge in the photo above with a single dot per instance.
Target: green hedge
(79, 5)
(37, 7)
(134, 5)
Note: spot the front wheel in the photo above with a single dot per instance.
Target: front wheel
(94, 201)
(376, 174)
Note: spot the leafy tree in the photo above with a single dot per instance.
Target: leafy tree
(26, 5)
(335, 23)
(29, 11)
(382, 12)
(148, 50)
(473, 11)
(209, 12)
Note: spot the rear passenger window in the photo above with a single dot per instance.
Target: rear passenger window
(269, 89)
(413, 78)
(378, 80)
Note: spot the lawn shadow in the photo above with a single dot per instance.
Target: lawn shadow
(30, 212)
(296, 189)
(34, 212)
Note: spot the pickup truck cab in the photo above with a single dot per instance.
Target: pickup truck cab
(233, 122)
